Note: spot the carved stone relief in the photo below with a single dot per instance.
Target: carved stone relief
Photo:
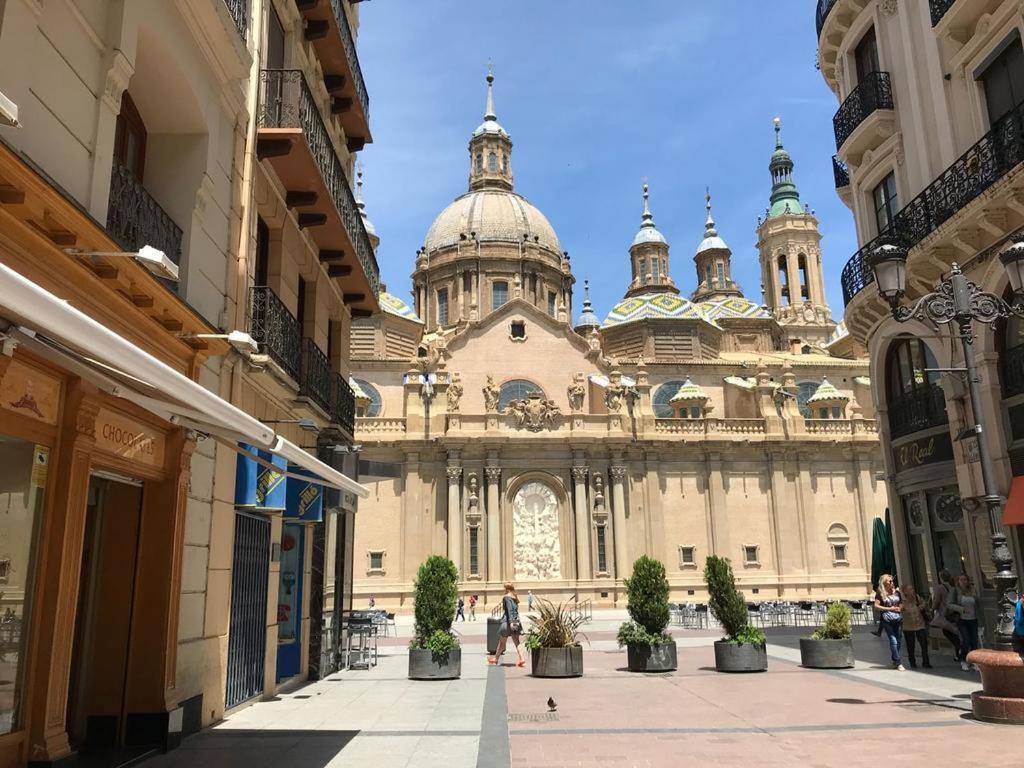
(536, 550)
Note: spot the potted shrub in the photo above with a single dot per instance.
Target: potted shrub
(831, 645)
(649, 648)
(434, 652)
(553, 640)
(743, 647)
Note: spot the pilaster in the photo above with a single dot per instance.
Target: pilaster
(492, 474)
(584, 569)
(618, 474)
(454, 473)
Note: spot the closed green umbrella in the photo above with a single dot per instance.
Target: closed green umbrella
(882, 559)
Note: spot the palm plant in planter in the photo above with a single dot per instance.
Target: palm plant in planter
(831, 645)
(553, 640)
(434, 652)
(743, 647)
(649, 648)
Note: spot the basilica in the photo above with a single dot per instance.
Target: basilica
(529, 440)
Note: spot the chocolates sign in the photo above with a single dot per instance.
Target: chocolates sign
(128, 438)
(923, 451)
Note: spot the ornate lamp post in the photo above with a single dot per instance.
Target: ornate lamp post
(958, 300)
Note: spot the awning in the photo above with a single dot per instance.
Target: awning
(602, 381)
(1013, 512)
(54, 329)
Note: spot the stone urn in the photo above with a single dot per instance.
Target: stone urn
(557, 662)
(651, 658)
(826, 654)
(424, 665)
(740, 657)
(1001, 698)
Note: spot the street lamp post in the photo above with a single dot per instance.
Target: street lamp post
(958, 300)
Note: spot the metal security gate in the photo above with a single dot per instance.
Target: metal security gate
(247, 636)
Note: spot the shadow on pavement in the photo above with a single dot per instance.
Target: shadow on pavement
(294, 748)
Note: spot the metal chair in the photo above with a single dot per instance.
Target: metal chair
(360, 643)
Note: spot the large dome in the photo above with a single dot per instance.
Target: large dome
(493, 214)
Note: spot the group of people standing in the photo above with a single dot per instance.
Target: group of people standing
(460, 608)
(953, 609)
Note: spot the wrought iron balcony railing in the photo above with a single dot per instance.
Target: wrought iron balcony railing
(275, 329)
(997, 153)
(286, 102)
(1013, 371)
(939, 8)
(918, 409)
(874, 92)
(840, 172)
(343, 403)
(239, 10)
(349, 42)
(135, 219)
(315, 375)
(824, 9)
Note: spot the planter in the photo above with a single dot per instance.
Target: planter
(424, 666)
(651, 658)
(740, 657)
(557, 662)
(826, 654)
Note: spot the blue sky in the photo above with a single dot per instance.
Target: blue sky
(598, 95)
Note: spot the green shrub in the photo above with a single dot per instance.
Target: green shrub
(441, 643)
(837, 624)
(436, 594)
(631, 633)
(727, 604)
(553, 626)
(647, 593)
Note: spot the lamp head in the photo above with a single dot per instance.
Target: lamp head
(889, 263)
(1013, 262)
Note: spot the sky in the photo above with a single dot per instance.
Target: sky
(599, 95)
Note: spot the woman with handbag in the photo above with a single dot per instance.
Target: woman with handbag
(888, 603)
(915, 626)
(511, 626)
(944, 618)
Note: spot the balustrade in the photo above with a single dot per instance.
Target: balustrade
(315, 375)
(274, 328)
(239, 10)
(921, 408)
(135, 219)
(872, 93)
(343, 403)
(824, 9)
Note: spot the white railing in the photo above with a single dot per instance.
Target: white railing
(378, 425)
(829, 426)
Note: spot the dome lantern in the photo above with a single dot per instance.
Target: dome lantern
(714, 263)
(587, 319)
(649, 256)
(490, 149)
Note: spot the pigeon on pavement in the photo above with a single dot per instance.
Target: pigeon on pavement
(551, 704)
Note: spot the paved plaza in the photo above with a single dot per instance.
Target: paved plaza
(498, 716)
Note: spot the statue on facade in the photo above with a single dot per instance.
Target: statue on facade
(577, 391)
(491, 395)
(613, 396)
(598, 491)
(473, 502)
(455, 392)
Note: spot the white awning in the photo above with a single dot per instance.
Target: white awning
(55, 329)
(602, 381)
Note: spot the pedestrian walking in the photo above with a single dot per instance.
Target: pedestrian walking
(373, 601)
(915, 625)
(888, 602)
(529, 600)
(472, 607)
(965, 603)
(943, 618)
(511, 626)
(460, 610)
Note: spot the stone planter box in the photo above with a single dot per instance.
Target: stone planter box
(740, 657)
(826, 654)
(651, 658)
(424, 666)
(557, 662)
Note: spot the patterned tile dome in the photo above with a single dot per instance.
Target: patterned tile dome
(735, 306)
(688, 392)
(654, 306)
(827, 393)
(494, 214)
(395, 306)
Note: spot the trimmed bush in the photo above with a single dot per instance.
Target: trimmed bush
(436, 594)
(727, 604)
(837, 624)
(647, 593)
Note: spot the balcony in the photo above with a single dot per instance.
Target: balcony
(315, 375)
(135, 219)
(840, 172)
(997, 153)
(824, 9)
(276, 330)
(328, 29)
(292, 138)
(867, 108)
(938, 9)
(916, 410)
(239, 10)
(1013, 371)
(343, 404)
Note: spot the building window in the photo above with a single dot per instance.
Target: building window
(908, 360)
(474, 549)
(687, 557)
(838, 540)
(664, 393)
(1003, 82)
(823, 413)
(467, 281)
(375, 561)
(602, 551)
(499, 294)
(802, 267)
(492, 162)
(784, 277)
(721, 274)
(517, 389)
(533, 284)
(479, 162)
(552, 298)
(374, 407)
(130, 138)
(866, 55)
(886, 202)
(518, 329)
(750, 555)
(642, 266)
(656, 269)
(442, 306)
(504, 162)
(707, 275)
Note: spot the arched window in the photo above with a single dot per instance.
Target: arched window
(1011, 354)
(839, 543)
(784, 278)
(915, 400)
(499, 294)
(707, 275)
(802, 266)
(804, 390)
(373, 408)
(721, 274)
(517, 389)
(664, 393)
(492, 162)
(655, 268)
(504, 162)
(479, 162)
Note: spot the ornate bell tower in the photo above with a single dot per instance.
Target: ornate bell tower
(790, 253)
(490, 149)
(648, 257)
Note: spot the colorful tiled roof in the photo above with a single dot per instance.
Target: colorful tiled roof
(735, 306)
(826, 393)
(743, 382)
(654, 306)
(395, 306)
(357, 391)
(688, 392)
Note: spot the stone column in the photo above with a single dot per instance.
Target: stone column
(455, 516)
(583, 561)
(618, 473)
(493, 475)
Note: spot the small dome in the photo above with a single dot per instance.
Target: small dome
(587, 318)
(653, 306)
(395, 306)
(648, 233)
(711, 241)
(493, 214)
(490, 127)
(827, 393)
(357, 391)
(688, 392)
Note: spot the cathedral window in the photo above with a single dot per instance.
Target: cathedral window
(751, 558)
(479, 162)
(804, 391)
(687, 557)
(664, 393)
(474, 551)
(655, 268)
(602, 551)
(373, 408)
(504, 162)
(518, 329)
(784, 277)
(492, 162)
(442, 306)
(802, 266)
(707, 275)
(838, 540)
(517, 389)
(721, 274)
(552, 299)
(375, 561)
(499, 294)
